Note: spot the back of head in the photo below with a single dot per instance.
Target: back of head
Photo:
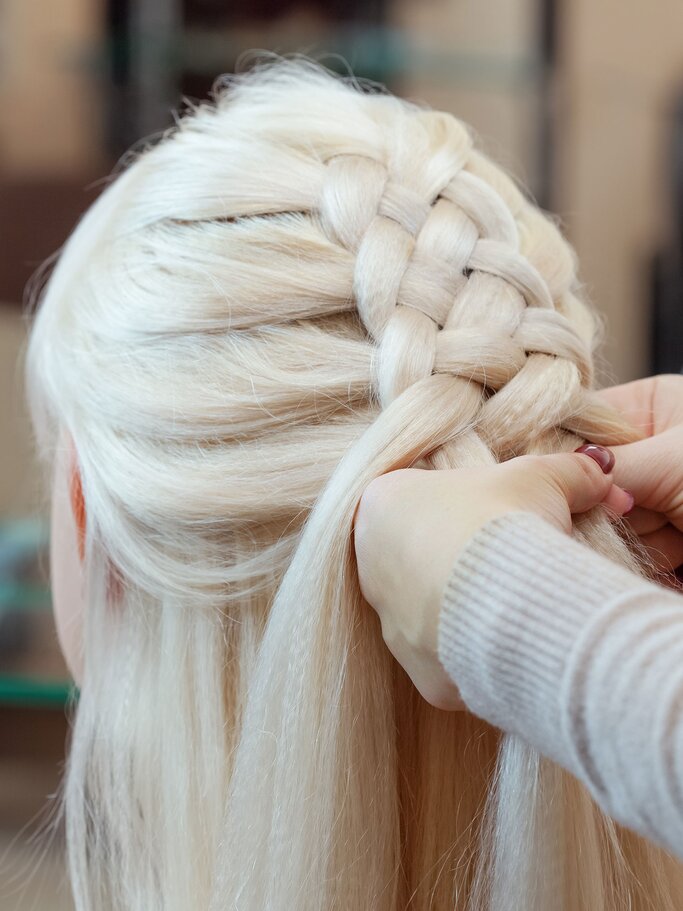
(301, 287)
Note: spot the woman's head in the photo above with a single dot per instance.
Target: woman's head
(251, 292)
(302, 286)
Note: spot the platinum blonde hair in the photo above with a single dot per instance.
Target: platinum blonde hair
(302, 286)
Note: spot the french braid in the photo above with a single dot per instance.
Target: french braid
(451, 278)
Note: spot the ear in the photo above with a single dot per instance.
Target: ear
(76, 498)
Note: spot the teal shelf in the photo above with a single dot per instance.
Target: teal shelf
(33, 676)
(25, 691)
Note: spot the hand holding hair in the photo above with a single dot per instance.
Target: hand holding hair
(652, 468)
(486, 606)
(411, 525)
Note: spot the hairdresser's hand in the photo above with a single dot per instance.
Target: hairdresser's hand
(652, 469)
(411, 525)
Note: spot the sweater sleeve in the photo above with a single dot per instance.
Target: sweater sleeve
(579, 657)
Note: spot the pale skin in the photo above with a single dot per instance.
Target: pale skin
(411, 524)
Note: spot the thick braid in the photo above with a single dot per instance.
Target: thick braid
(443, 285)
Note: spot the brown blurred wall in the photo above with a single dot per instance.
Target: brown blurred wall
(19, 481)
(49, 113)
(50, 148)
(621, 64)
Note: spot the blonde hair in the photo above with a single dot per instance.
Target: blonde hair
(303, 286)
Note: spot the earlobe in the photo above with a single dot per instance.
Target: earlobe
(77, 500)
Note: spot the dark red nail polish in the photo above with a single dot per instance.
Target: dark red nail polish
(604, 457)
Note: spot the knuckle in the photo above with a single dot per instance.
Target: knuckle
(526, 465)
(666, 388)
(571, 471)
(587, 468)
(378, 497)
(670, 381)
(385, 485)
(373, 497)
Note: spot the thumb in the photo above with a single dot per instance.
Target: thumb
(582, 477)
(581, 480)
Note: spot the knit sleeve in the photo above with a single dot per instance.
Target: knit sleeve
(581, 658)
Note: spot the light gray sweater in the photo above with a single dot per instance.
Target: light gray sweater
(581, 658)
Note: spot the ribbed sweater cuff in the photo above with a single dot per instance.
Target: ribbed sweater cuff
(518, 598)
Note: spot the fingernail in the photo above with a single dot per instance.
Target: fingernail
(632, 500)
(604, 457)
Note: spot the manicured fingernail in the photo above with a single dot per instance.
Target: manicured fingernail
(632, 501)
(604, 457)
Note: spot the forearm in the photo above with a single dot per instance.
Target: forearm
(581, 658)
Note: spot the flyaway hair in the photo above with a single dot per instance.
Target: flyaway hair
(304, 285)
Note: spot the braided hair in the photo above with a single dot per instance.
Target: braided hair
(306, 284)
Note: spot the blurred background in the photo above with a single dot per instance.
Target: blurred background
(582, 100)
